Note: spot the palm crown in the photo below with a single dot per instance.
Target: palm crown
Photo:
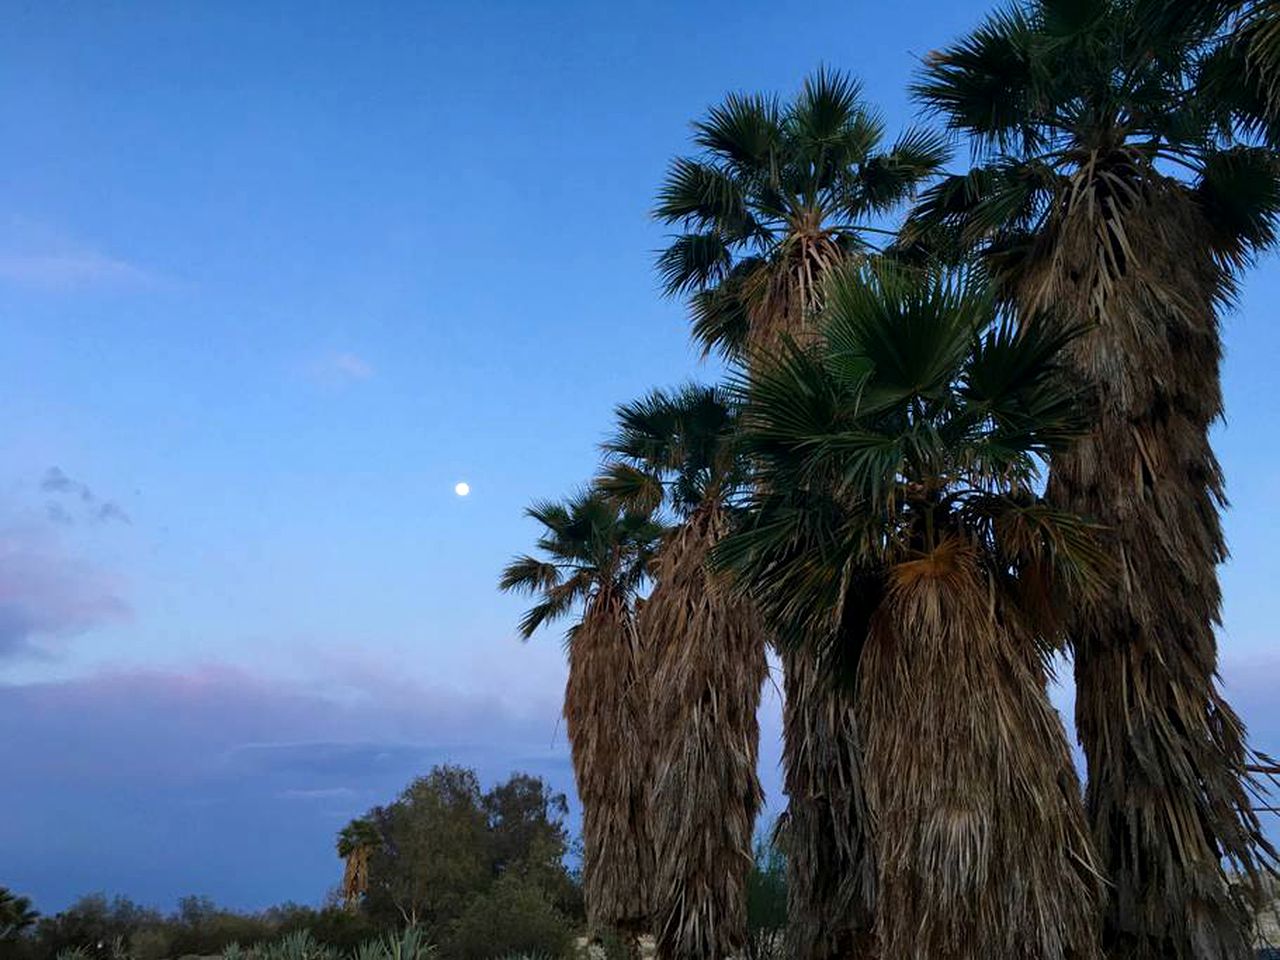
(778, 194)
(676, 447)
(360, 833)
(1056, 94)
(921, 419)
(592, 548)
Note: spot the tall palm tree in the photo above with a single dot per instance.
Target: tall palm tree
(707, 650)
(778, 195)
(1112, 190)
(898, 535)
(355, 842)
(595, 555)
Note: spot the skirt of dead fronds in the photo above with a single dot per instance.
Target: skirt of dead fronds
(708, 653)
(606, 714)
(830, 873)
(355, 877)
(980, 839)
(1168, 796)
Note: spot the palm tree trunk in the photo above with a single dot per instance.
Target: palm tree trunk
(606, 717)
(709, 666)
(979, 832)
(1167, 795)
(824, 835)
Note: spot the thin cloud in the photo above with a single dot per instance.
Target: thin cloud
(75, 272)
(47, 596)
(75, 499)
(342, 368)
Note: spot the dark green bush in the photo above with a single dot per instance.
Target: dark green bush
(513, 917)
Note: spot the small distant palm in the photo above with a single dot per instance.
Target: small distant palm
(16, 914)
(356, 841)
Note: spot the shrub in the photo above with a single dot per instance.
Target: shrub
(513, 917)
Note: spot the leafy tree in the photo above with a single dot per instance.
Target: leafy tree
(596, 555)
(707, 648)
(1114, 187)
(896, 527)
(766, 902)
(433, 856)
(528, 839)
(93, 924)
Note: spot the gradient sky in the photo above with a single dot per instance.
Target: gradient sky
(273, 277)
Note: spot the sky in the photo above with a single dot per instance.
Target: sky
(273, 278)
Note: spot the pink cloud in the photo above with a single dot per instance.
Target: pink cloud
(47, 596)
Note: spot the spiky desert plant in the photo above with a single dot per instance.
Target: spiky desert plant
(595, 556)
(898, 535)
(1115, 191)
(780, 194)
(677, 449)
(355, 841)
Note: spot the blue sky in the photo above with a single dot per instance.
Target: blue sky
(273, 277)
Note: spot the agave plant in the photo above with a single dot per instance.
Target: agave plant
(298, 945)
(897, 534)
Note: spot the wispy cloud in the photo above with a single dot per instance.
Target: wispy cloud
(40, 256)
(74, 498)
(74, 271)
(341, 368)
(47, 595)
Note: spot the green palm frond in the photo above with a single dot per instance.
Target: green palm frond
(744, 131)
(675, 447)
(1239, 189)
(920, 402)
(593, 547)
(985, 85)
(694, 261)
(778, 192)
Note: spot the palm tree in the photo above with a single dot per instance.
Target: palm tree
(897, 535)
(16, 915)
(707, 650)
(595, 556)
(780, 194)
(355, 842)
(1115, 192)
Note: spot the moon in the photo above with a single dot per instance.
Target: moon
(462, 488)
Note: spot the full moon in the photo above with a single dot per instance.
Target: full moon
(462, 488)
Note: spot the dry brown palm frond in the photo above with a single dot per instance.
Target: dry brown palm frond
(1167, 795)
(830, 872)
(355, 877)
(708, 652)
(606, 718)
(978, 828)
(783, 295)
